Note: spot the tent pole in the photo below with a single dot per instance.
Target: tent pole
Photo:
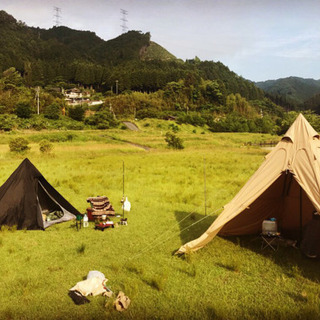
(122, 189)
(205, 187)
(300, 214)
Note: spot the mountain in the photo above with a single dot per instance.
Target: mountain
(292, 90)
(20, 44)
(62, 56)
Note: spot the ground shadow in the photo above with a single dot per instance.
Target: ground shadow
(192, 224)
(293, 263)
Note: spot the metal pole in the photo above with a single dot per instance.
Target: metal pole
(205, 188)
(123, 189)
(38, 99)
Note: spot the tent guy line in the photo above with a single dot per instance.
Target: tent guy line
(159, 240)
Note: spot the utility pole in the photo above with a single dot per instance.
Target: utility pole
(38, 99)
(117, 86)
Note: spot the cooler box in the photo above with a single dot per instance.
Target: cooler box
(269, 227)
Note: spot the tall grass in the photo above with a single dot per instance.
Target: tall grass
(228, 279)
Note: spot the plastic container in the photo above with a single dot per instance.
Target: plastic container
(269, 227)
(127, 205)
(85, 221)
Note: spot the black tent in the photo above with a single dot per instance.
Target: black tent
(28, 201)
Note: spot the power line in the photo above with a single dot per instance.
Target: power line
(57, 16)
(124, 20)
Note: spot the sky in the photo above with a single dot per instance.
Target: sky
(258, 39)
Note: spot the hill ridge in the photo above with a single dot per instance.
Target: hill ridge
(293, 90)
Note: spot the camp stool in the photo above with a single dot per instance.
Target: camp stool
(270, 241)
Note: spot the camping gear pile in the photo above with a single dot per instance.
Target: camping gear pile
(101, 211)
(100, 206)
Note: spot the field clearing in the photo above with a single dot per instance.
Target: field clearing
(231, 278)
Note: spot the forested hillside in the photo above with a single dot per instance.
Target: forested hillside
(291, 92)
(61, 54)
(313, 103)
(132, 75)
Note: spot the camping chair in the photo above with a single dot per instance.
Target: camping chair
(99, 206)
(270, 235)
(270, 241)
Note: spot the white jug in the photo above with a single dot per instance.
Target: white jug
(85, 221)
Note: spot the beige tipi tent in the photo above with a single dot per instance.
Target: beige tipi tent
(286, 187)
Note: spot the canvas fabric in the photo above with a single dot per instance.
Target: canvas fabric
(93, 286)
(286, 185)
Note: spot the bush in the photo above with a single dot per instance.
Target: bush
(102, 120)
(38, 123)
(174, 127)
(23, 110)
(74, 125)
(193, 119)
(8, 122)
(76, 113)
(45, 146)
(173, 141)
(19, 145)
(148, 113)
(52, 111)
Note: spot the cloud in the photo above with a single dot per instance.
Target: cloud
(301, 46)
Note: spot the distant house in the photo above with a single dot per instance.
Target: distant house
(76, 96)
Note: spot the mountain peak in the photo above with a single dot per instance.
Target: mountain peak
(6, 18)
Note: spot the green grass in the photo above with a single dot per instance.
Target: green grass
(231, 278)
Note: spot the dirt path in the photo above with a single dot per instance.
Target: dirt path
(131, 143)
(138, 145)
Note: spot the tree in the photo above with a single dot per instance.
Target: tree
(77, 113)
(23, 109)
(52, 111)
(12, 78)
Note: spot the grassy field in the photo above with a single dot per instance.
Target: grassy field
(231, 278)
